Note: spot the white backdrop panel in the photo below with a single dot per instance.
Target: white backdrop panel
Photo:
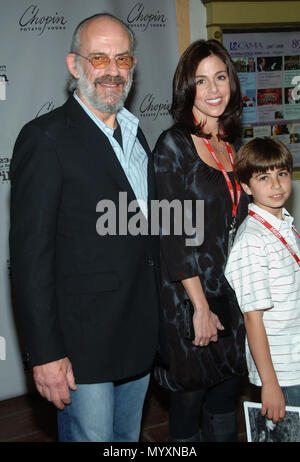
(34, 40)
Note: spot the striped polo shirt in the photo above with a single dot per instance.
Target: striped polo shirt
(265, 276)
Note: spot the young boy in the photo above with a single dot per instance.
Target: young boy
(263, 269)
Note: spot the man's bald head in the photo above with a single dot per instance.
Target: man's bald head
(102, 19)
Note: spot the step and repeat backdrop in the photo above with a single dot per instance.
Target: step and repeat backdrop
(34, 40)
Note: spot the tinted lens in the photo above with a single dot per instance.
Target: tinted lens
(100, 62)
(124, 62)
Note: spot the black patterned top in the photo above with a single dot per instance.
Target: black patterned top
(182, 174)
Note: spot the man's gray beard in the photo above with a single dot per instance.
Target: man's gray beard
(88, 91)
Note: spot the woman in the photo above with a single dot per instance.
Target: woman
(193, 161)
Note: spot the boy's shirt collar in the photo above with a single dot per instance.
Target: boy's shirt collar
(270, 218)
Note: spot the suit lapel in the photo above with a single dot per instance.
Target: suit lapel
(96, 143)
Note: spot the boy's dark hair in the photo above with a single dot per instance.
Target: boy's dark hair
(260, 155)
(184, 89)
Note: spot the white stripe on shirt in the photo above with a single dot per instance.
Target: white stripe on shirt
(265, 276)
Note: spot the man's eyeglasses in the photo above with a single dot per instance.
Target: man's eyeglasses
(102, 61)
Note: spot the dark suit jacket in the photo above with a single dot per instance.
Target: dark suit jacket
(91, 298)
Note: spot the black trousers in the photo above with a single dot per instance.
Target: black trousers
(186, 407)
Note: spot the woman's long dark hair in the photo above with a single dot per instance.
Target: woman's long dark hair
(184, 90)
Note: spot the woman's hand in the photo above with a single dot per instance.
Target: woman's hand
(206, 325)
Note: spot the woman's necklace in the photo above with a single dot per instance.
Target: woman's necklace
(219, 146)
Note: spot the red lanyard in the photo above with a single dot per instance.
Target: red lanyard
(276, 233)
(226, 176)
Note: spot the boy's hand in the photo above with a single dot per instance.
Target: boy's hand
(273, 402)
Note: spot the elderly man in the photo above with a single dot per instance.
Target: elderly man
(88, 301)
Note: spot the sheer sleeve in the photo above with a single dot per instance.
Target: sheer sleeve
(169, 160)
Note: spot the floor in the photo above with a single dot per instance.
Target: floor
(30, 418)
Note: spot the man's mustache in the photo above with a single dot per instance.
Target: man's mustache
(110, 79)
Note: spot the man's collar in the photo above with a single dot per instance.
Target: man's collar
(123, 115)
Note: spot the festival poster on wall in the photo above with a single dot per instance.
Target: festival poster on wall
(268, 66)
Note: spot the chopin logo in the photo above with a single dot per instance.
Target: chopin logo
(33, 21)
(244, 46)
(138, 17)
(4, 169)
(47, 107)
(149, 107)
